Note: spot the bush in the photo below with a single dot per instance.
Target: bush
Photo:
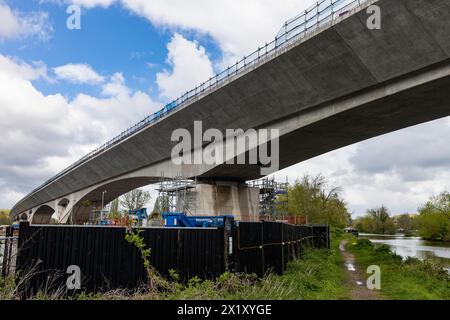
(336, 233)
(434, 218)
(364, 243)
(383, 249)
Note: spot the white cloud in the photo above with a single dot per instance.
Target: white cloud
(15, 24)
(10, 26)
(190, 66)
(42, 134)
(19, 69)
(238, 26)
(116, 86)
(78, 73)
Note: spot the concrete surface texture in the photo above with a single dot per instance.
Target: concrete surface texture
(343, 85)
(220, 198)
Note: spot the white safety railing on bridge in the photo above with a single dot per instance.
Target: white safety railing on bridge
(301, 26)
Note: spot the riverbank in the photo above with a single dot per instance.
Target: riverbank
(402, 279)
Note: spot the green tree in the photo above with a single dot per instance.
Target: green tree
(405, 221)
(114, 212)
(310, 197)
(5, 219)
(135, 199)
(434, 218)
(376, 220)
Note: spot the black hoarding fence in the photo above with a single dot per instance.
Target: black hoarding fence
(106, 261)
(8, 253)
(263, 247)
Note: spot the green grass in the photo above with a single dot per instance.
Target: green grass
(7, 288)
(318, 276)
(411, 279)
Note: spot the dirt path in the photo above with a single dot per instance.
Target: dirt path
(356, 279)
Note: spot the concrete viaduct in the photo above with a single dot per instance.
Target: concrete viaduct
(337, 85)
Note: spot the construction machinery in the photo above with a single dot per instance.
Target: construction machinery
(138, 215)
(182, 220)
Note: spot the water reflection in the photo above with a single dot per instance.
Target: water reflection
(414, 247)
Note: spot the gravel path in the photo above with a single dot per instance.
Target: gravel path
(356, 279)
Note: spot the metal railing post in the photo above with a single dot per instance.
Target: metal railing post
(317, 4)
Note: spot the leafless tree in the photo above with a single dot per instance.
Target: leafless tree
(135, 199)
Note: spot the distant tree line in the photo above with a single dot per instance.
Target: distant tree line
(432, 221)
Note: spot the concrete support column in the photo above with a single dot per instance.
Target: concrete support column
(217, 198)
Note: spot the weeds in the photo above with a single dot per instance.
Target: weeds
(155, 281)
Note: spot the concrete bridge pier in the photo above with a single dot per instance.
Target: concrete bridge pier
(216, 198)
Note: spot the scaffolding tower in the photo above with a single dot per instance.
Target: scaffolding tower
(273, 198)
(174, 195)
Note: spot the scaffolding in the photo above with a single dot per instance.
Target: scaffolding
(177, 195)
(174, 195)
(273, 198)
(96, 216)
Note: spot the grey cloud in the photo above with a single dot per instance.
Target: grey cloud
(407, 151)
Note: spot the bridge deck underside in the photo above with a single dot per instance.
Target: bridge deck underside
(394, 112)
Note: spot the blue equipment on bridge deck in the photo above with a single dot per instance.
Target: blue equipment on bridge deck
(182, 220)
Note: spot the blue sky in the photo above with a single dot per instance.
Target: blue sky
(64, 92)
(110, 40)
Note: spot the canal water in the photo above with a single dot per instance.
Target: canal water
(414, 247)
